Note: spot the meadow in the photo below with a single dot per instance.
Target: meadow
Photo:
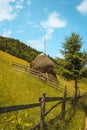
(18, 88)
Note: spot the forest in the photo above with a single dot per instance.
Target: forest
(18, 49)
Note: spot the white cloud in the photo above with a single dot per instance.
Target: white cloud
(53, 22)
(7, 33)
(48, 34)
(29, 2)
(37, 44)
(82, 7)
(18, 5)
(9, 9)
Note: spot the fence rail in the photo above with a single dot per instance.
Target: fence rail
(39, 75)
(43, 100)
(18, 107)
(36, 73)
(42, 104)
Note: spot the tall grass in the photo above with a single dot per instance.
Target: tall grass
(18, 88)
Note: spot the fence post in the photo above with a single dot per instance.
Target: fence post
(64, 103)
(42, 118)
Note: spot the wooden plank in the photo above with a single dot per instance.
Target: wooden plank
(53, 99)
(19, 107)
(19, 65)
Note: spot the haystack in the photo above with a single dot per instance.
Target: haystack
(45, 65)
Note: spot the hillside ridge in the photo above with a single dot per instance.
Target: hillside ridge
(18, 49)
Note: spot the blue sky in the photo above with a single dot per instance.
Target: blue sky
(32, 21)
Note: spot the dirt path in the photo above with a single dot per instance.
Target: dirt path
(85, 125)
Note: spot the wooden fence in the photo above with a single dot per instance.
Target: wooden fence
(38, 74)
(42, 104)
(61, 100)
(50, 81)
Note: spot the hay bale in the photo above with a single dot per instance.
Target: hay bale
(43, 64)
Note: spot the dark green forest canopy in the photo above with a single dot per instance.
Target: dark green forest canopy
(18, 49)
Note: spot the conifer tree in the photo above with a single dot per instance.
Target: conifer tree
(75, 59)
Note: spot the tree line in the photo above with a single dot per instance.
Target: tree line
(18, 49)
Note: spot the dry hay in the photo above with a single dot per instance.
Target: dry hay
(44, 64)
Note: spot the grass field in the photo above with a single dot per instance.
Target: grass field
(17, 88)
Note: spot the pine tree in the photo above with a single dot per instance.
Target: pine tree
(74, 59)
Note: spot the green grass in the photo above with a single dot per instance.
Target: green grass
(17, 88)
(74, 119)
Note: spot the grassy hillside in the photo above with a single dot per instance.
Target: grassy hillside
(17, 88)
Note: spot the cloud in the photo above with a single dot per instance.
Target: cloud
(29, 2)
(53, 22)
(18, 5)
(48, 26)
(7, 33)
(37, 44)
(48, 33)
(82, 7)
(9, 9)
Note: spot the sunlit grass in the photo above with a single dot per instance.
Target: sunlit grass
(17, 88)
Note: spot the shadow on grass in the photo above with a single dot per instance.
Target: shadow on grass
(83, 105)
(59, 123)
(62, 124)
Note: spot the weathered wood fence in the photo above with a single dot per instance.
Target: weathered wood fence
(42, 104)
(39, 75)
(61, 100)
(51, 81)
(36, 73)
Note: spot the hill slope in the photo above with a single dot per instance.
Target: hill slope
(17, 88)
(18, 49)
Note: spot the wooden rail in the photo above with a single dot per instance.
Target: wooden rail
(50, 81)
(36, 73)
(40, 76)
(42, 104)
(18, 107)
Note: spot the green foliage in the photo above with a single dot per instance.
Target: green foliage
(18, 49)
(59, 65)
(74, 58)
